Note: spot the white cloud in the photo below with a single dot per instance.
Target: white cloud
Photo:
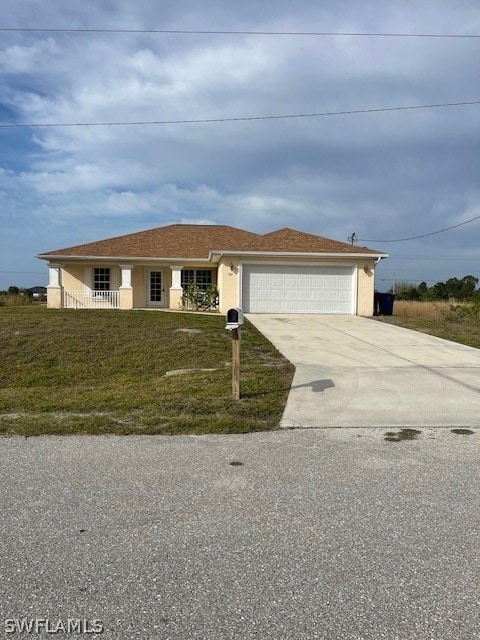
(27, 59)
(388, 174)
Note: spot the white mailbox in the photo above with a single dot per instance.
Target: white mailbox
(234, 318)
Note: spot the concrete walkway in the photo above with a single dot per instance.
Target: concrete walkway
(357, 372)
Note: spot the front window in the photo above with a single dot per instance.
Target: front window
(101, 279)
(202, 278)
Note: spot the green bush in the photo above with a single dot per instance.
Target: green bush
(198, 299)
(465, 312)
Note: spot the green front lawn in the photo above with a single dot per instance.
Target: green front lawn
(65, 371)
(461, 331)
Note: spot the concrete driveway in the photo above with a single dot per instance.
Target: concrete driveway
(357, 372)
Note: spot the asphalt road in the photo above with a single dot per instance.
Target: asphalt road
(332, 534)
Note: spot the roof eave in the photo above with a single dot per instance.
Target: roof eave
(216, 255)
(59, 257)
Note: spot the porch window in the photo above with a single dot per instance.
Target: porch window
(202, 278)
(101, 279)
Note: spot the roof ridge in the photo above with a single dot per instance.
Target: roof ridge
(269, 233)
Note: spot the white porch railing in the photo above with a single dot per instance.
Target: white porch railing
(91, 300)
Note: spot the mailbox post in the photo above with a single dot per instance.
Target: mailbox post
(234, 322)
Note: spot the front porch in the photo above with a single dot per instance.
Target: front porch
(140, 286)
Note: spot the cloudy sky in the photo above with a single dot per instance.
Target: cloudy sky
(384, 176)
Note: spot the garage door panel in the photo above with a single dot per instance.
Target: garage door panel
(318, 306)
(276, 306)
(290, 289)
(304, 283)
(262, 282)
(289, 306)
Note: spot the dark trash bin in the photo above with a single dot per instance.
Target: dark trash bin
(385, 303)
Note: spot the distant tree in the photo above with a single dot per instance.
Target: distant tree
(423, 291)
(462, 289)
(406, 291)
(459, 289)
(439, 291)
(13, 290)
(453, 287)
(469, 284)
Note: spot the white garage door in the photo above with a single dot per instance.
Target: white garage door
(289, 289)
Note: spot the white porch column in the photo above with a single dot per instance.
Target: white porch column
(54, 288)
(126, 276)
(54, 275)
(176, 288)
(126, 289)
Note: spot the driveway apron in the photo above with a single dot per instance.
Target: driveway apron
(358, 372)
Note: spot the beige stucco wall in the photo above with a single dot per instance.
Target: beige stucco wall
(72, 277)
(365, 287)
(139, 287)
(228, 284)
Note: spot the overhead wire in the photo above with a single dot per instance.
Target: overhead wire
(241, 32)
(432, 257)
(423, 235)
(236, 119)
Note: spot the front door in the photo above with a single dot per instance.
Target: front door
(155, 288)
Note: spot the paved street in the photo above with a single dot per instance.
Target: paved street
(335, 534)
(357, 372)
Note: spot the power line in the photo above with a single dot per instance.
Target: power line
(37, 273)
(424, 235)
(410, 280)
(243, 33)
(239, 119)
(430, 257)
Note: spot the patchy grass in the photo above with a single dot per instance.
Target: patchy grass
(456, 322)
(15, 300)
(66, 371)
(437, 310)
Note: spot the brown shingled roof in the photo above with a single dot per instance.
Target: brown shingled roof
(196, 241)
(290, 240)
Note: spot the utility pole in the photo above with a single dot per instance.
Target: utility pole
(352, 238)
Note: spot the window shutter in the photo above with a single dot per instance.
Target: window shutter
(115, 278)
(87, 281)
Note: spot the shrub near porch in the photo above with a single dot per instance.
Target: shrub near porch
(105, 372)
